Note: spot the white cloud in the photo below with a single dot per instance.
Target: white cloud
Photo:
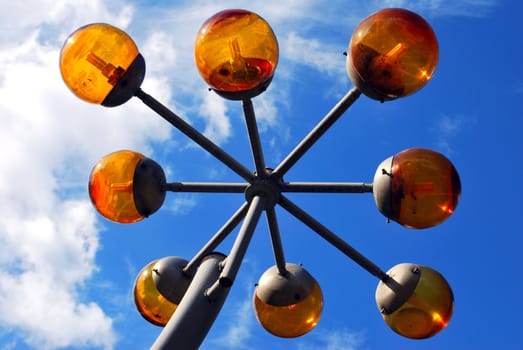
(448, 129)
(51, 254)
(467, 8)
(240, 331)
(313, 53)
(339, 339)
(214, 111)
(48, 228)
(182, 203)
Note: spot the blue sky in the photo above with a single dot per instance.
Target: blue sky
(66, 274)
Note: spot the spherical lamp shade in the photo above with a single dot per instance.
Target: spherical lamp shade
(236, 53)
(418, 308)
(101, 64)
(154, 306)
(126, 187)
(418, 188)
(392, 53)
(288, 306)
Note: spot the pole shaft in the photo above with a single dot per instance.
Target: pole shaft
(195, 135)
(318, 131)
(333, 239)
(196, 313)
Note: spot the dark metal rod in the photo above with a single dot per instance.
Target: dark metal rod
(212, 187)
(318, 131)
(326, 187)
(254, 137)
(277, 247)
(196, 312)
(238, 250)
(218, 238)
(333, 239)
(195, 135)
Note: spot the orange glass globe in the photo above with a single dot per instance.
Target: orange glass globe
(294, 313)
(151, 304)
(126, 187)
(392, 53)
(418, 188)
(101, 64)
(236, 53)
(427, 311)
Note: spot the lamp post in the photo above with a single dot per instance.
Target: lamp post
(392, 54)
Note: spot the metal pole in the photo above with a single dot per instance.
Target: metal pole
(326, 187)
(254, 137)
(210, 187)
(197, 311)
(215, 241)
(195, 135)
(234, 260)
(330, 237)
(277, 247)
(317, 132)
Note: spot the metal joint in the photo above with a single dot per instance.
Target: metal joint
(263, 188)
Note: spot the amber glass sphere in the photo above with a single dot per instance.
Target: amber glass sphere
(99, 61)
(427, 311)
(126, 187)
(111, 186)
(392, 53)
(236, 53)
(151, 304)
(289, 306)
(418, 188)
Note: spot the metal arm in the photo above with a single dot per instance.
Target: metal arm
(318, 131)
(239, 187)
(234, 260)
(218, 238)
(254, 137)
(330, 237)
(209, 187)
(195, 135)
(277, 247)
(326, 187)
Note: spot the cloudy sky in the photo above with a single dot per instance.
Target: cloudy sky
(66, 274)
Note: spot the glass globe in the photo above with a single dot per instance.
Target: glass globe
(288, 306)
(101, 64)
(392, 53)
(418, 188)
(126, 187)
(151, 304)
(236, 53)
(427, 310)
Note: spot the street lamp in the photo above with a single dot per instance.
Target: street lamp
(392, 54)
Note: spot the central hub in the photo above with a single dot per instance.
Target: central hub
(267, 187)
